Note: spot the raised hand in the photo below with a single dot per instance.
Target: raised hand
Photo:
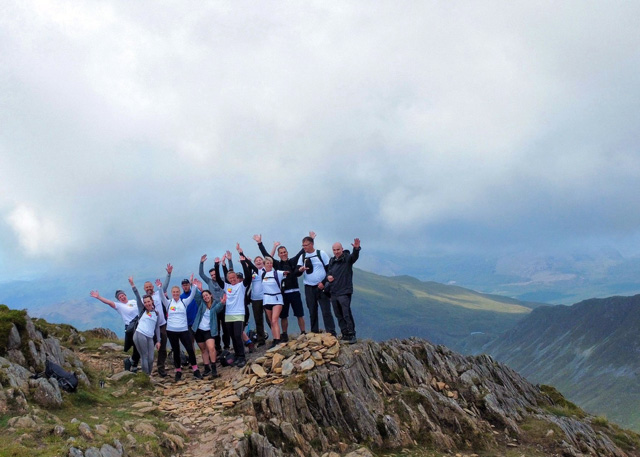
(191, 278)
(131, 280)
(169, 268)
(229, 255)
(276, 244)
(238, 248)
(94, 294)
(203, 259)
(159, 284)
(216, 260)
(356, 243)
(257, 238)
(312, 234)
(198, 284)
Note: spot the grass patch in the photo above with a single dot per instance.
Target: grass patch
(9, 318)
(561, 407)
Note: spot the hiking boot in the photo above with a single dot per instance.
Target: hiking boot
(197, 374)
(162, 373)
(275, 342)
(284, 337)
(214, 373)
(207, 370)
(240, 362)
(127, 364)
(352, 340)
(178, 376)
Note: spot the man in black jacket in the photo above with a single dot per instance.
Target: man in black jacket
(291, 290)
(340, 284)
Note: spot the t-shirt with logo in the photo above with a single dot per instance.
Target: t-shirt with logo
(127, 310)
(147, 323)
(235, 301)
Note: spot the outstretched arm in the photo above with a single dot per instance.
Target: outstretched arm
(95, 294)
(203, 259)
(247, 272)
(273, 249)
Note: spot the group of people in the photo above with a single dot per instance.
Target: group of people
(217, 317)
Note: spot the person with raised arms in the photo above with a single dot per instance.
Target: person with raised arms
(217, 293)
(291, 291)
(340, 283)
(148, 328)
(178, 329)
(162, 319)
(272, 295)
(128, 310)
(257, 304)
(235, 311)
(314, 263)
(205, 327)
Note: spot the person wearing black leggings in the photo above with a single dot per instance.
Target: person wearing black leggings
(177, 328)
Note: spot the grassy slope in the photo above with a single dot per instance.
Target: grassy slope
(391, 307)
(588, 350)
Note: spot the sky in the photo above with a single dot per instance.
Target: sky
(141, 133)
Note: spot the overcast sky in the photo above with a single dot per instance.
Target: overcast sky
(154, 131)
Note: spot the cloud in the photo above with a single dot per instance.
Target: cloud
(147, 131)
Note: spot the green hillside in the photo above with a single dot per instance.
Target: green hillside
(402, 306)
(588, 350)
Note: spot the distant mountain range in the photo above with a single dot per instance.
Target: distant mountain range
(590, 351)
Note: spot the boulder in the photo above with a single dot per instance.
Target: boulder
(46, 392)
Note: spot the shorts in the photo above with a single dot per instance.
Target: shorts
(272, 305)
(203, 335)
(292, 300)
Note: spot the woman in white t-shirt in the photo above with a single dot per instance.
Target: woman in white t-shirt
(178, 328)
(272, 298)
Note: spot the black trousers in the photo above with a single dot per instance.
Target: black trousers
(315, 296)
(222, 330)
(258, 317)
(235, 332)
(342, 309)
(175, 338)
(128, 342)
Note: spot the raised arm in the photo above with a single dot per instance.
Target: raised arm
(163, 297)
(203, 259)
(137, 294)
(167, 280)
(247, 272)
(355, 255)
(219, 279)
(95, 294)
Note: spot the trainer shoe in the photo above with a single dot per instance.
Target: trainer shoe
(178, 376)
(162, 372)
(133, 369)
(284, 337)
(352, 340)
(197, 374)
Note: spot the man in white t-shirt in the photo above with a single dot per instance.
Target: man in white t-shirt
(313, 263)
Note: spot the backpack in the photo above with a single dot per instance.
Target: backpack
(66, 380)
(304, 256)
(227, 359)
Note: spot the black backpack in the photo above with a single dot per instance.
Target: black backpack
(304, 258)
(66, 380)
(227, 359)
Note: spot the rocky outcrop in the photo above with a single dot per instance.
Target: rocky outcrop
(26, 354)
(401, 394)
